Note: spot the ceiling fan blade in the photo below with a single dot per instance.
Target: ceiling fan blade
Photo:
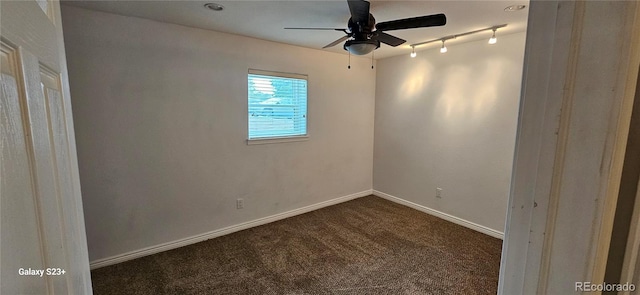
(334, 43)
(327, 29)
(359, 11)
(414, 22)
(388, 39)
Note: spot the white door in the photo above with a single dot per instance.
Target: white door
(42, 225)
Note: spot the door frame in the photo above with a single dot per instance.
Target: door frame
(560, 214)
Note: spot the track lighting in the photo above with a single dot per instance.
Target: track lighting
(493, 39)
(443, 49)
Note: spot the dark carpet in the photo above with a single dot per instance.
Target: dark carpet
(365, 246)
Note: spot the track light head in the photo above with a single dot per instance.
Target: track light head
(493, 39)
(443, 49)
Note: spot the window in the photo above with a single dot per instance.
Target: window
(277, 105)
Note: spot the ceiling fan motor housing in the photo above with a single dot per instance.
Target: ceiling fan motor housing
(362, 43)
(361, 31)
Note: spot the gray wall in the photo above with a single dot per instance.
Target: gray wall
(161, 122)
(449, 121)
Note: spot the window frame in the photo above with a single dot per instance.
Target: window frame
(278, 139)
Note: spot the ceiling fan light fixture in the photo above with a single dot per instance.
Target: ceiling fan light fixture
(361, 47)
(214, 6)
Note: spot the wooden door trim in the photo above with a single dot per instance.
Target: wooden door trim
(561, 145)
(628, 77)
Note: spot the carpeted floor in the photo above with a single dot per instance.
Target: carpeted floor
(365, 246)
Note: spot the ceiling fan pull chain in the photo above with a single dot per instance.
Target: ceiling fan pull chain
(372, 53)
(349, 66)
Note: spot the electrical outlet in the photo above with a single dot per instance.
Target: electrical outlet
(438, 193)
(239, 203)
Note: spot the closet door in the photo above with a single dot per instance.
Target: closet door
(43, 241)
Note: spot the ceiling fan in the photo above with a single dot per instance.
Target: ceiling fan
(360, 34)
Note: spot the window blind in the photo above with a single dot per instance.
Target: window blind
(277, 105)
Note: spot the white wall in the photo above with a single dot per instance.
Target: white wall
(449, 121)
(161, 122)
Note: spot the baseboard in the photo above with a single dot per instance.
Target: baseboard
(221, 232)
(457, 220)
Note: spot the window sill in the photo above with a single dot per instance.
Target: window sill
(277, 139)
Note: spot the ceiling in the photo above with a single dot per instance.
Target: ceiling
(266, 19)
